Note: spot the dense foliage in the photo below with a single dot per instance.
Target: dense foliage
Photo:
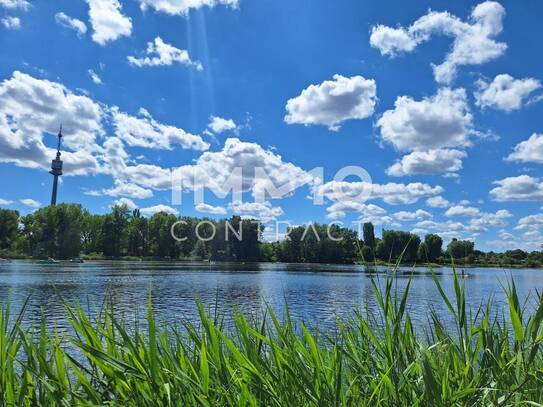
(66, 231)
(373, 359)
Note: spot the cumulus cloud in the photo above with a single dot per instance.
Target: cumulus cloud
(528, 234)
(437, 202)
(151, 210)
(11, 23)
(246, 164)
(333, 102)
(31, 108)
(94, 77)
(206, 208)
(460, 210)
(474, 226)
(159, 53)
(339, 210)
(129, 203)
(144, 131)
(505, 92)
(5, 202)
(528, 151)
(219, 124)
(391, 193)
(419, 214)
(108, 22)
(474, 40)
(183, 7)
(259, 170)
(428, 162)
(442, 120)
(520, 188)
(66, 21)
(123, 189)
(31, 203)
(263, 211)
(15, 4)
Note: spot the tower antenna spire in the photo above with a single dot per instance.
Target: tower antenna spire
(56, 169)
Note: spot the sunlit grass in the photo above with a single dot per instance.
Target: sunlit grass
(372, 359)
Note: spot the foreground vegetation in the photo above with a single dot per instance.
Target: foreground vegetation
(376, 359)
(66, 231)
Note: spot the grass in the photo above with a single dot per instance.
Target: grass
(375, 359)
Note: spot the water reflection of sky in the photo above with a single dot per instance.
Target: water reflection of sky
(316, 294)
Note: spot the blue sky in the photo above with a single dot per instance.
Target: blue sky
(438, 101)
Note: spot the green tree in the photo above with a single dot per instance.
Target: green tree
(459, 249)
(9, 226)
(369, 235)
(115, 231)
(54, 231)
(433, 247)
(138, 234)
(398, 243)
(161, 242)
(367, 253)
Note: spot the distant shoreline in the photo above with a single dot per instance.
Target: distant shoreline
(378, 263)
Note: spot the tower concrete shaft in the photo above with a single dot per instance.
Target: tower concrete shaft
(56, 170)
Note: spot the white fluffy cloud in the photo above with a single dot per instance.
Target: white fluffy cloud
(528, 151)
(15, 4)
(520, 188)
(528, 234)
(31, 203)
(144, 131)
(263, 211)
(66, 21)
(130, 204)
(333, 102)
(391, 193)
(215, 168)
(419, 214)
(124, 189)
(94, 77)
(151, 210)
(182, 7)
(428, 162)
(442, 120)
(505, 92)
(476, 225)
(5, 202)
(340, 209)
(206, 208)
(108, 22)
(474, 42)
(11, 23)
(437, 202)
(219, 124)
(31, 108)
(460, 210)
(159, 53)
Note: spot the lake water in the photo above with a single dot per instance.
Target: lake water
(316, 294)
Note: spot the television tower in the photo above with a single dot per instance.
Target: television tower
(56, 169)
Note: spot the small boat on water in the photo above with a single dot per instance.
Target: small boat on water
(76, 260)
(48, 260)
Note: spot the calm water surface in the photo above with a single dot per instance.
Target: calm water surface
(316, 294)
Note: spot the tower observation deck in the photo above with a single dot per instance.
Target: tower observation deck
(56, 170)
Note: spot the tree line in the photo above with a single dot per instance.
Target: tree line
(66, 231)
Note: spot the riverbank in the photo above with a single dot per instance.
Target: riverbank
(369, 361)
(368, 264)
